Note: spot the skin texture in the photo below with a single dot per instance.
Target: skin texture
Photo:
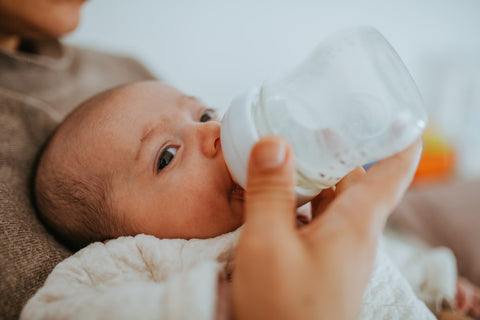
(126, 133)
(316, 271)
(36, 19)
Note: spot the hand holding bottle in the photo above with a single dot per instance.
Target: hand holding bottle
(320, 270)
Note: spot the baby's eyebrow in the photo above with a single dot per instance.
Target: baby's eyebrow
(146, 136)
(192, 98)
(186, 99)
(146, 133)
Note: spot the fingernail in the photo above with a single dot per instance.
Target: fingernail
(270, 154)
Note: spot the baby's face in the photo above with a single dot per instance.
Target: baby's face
(162, 149)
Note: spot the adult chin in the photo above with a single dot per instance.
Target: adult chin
(40, 19)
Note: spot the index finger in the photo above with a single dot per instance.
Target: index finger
(384, 185)
(367, 204)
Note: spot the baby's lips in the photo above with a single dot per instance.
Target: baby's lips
(238, 192)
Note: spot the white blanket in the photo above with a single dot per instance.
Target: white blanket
(143, 277)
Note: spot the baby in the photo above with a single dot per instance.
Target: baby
(141, 158)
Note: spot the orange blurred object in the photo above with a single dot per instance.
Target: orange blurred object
(438, 159)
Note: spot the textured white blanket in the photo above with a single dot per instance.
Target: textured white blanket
(143, 277)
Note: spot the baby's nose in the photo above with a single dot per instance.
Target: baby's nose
(210, 138)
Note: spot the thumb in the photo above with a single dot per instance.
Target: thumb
(270, 196)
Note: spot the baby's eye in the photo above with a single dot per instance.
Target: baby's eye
(166, 157)
(208, 115)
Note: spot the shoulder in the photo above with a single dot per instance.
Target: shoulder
(118, 64)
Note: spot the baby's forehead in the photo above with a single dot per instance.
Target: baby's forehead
(133, 106)
(130, 107)
(146, 95)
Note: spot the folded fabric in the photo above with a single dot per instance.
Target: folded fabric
(431, 272)
(148, 278)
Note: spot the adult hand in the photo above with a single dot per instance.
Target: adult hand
(321, 270)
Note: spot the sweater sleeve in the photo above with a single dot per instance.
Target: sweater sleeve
(101, 283)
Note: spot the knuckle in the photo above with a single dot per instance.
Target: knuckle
(270, 193)
(270, 189)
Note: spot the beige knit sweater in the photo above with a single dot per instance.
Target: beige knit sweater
(36, 92)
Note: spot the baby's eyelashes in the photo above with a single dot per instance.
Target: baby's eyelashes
(207, 115)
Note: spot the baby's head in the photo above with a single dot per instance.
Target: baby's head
(141, 158)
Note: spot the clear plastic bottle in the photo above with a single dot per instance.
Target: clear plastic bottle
(350, 103)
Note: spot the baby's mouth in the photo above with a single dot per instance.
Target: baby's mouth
(238, 192)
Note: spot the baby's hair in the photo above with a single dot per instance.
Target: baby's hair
(76, 206)
(77, 211)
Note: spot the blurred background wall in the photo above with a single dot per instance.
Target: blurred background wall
(214, 49)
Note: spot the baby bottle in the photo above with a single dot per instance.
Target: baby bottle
(350, 103)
